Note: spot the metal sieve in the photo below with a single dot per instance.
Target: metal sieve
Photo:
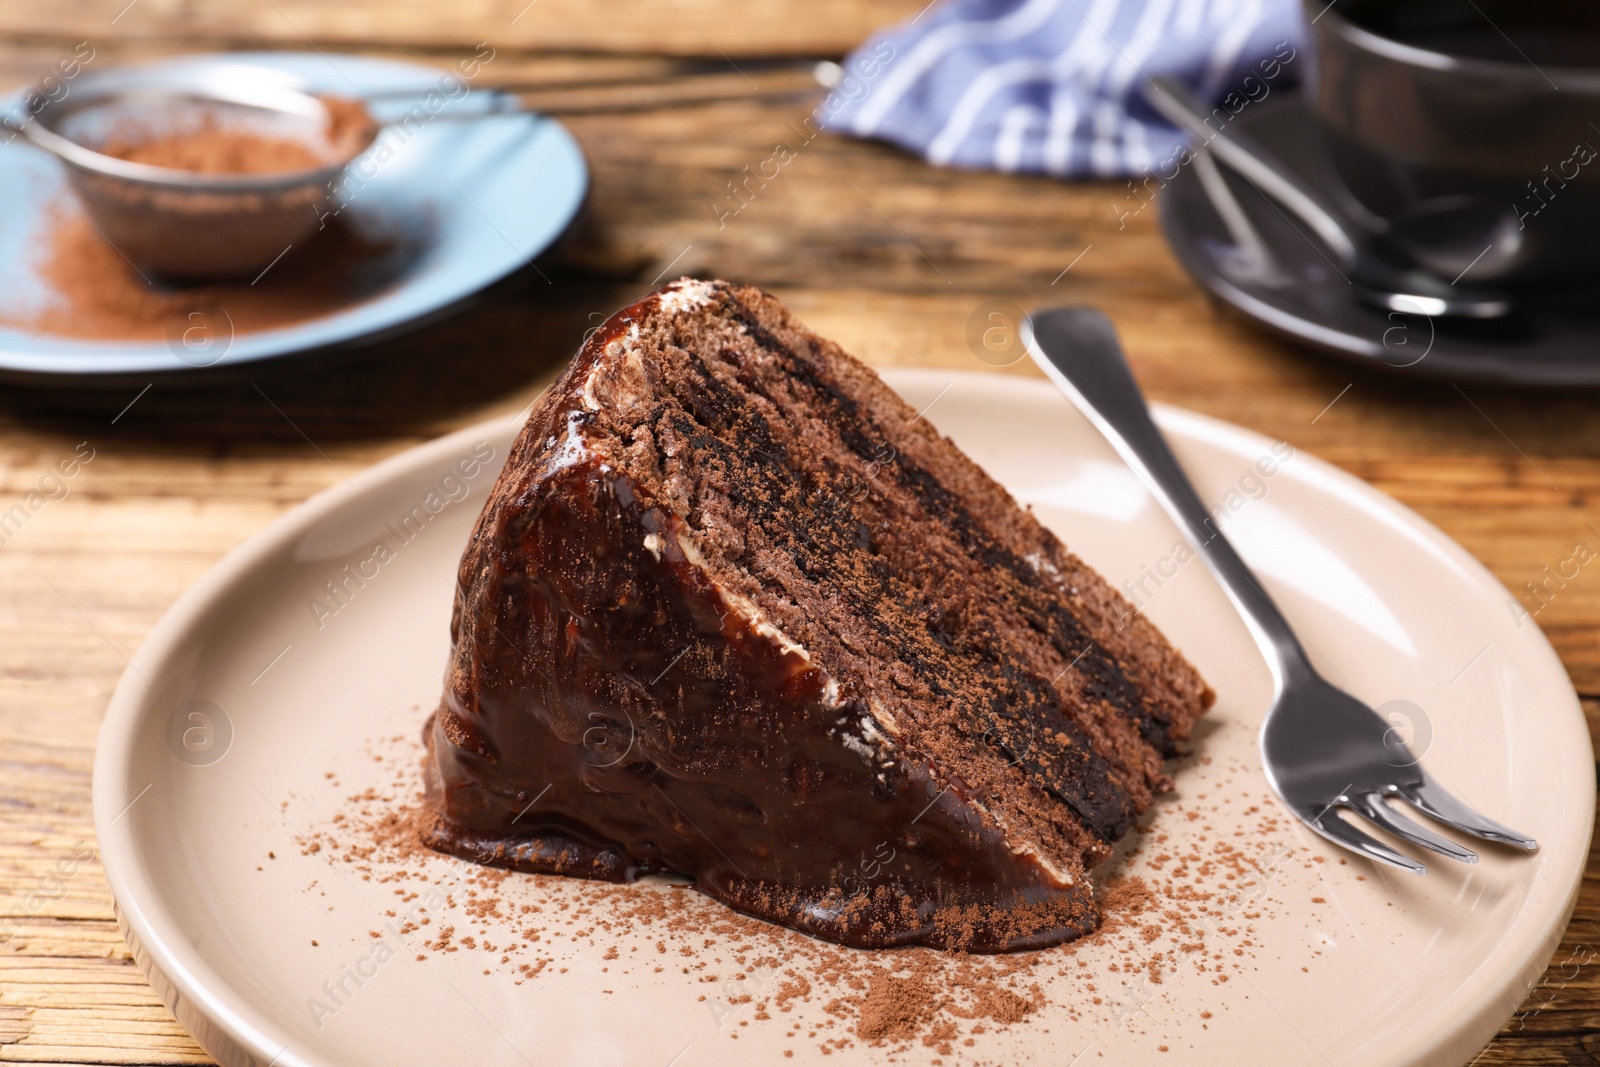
(182, 224)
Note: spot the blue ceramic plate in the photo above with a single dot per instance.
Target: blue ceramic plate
(475, 200)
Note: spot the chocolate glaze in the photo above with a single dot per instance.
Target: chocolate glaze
(612, 710)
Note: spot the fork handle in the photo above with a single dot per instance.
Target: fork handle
(1077, 348)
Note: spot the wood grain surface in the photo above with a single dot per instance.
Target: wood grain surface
(886, 255)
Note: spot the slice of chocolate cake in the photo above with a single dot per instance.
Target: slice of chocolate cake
(735, 611)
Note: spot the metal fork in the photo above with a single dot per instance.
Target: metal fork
(1323, 750)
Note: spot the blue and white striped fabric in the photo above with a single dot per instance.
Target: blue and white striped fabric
(1053, 86)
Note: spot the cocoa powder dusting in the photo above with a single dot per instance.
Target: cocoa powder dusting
(1187, 914)
(97, 294)
(895, 1008)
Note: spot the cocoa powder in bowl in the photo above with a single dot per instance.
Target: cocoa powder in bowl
(215, 147)
(245, 183)
(212, 149)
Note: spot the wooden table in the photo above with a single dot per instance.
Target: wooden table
(873, 248)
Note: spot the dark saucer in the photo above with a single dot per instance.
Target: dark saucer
(1551, 339)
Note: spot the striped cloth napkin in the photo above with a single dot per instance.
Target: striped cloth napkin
(1053, 86)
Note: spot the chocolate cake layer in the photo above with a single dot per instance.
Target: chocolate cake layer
(735, 611)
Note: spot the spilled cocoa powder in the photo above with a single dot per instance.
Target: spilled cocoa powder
(1188, 912)
(97, 294)
(896, 1008)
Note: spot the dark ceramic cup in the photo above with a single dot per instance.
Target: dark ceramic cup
(1429, 102)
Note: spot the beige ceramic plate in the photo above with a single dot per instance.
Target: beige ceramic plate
(1345, 964)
